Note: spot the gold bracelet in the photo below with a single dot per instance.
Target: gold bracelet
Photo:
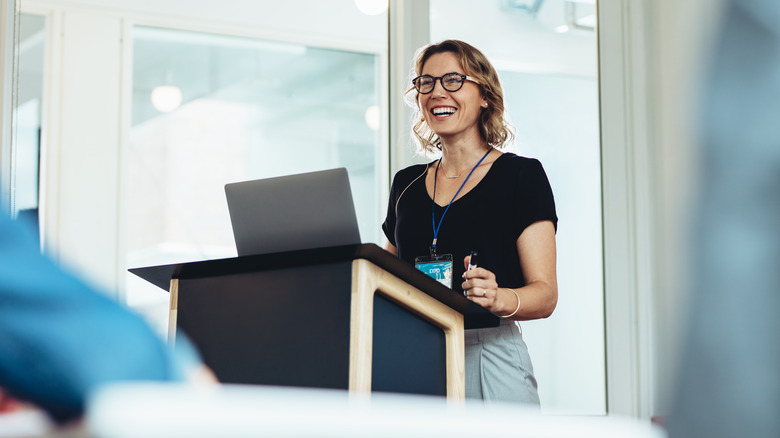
(516, 308)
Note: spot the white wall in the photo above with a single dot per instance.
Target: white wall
(681, 43)
(87, 223)
(651, 54)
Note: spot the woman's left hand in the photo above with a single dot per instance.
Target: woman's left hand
(480, 286)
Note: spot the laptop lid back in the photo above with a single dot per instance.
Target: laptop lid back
(302, 211)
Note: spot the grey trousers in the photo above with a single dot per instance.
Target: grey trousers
(498, 366)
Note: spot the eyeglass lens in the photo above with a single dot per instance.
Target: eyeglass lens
(451, 82)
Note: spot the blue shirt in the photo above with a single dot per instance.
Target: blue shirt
(59, 339)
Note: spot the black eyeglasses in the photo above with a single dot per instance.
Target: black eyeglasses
(451, 82)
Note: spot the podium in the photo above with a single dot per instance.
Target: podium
(347, 317)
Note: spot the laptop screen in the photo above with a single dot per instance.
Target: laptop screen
(302, 211)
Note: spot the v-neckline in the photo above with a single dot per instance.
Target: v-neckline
(454, 201)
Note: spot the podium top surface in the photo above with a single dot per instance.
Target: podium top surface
(475, 316)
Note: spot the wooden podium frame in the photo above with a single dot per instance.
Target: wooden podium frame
(373, 272)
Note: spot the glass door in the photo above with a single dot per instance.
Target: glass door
(546, 55)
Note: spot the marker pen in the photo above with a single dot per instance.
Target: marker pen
(472, 265)
(472, 261)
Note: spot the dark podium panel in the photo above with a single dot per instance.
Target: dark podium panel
(257, 327)
(349, 317)
(409, 353)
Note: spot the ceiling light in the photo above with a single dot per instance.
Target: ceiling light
(373, 119)
(166, 98)
(371, 7)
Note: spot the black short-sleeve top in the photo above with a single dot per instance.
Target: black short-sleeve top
(513, 194)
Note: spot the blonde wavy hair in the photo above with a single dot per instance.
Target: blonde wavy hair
(492, 126)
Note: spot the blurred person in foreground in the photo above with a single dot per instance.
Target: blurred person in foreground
(60, 340)
(729, 382)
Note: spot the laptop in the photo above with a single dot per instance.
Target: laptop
(286, 213)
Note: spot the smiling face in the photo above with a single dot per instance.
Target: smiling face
(453, 116)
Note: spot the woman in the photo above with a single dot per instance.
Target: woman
(476, 198)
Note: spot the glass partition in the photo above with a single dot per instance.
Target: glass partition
(25, 169)
(211, 109)
(546, 55)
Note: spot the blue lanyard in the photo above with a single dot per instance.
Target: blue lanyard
(433, 201)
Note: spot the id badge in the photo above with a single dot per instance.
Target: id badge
(439, 268)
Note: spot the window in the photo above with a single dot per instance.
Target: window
(210, 109)
(545, 54)
(25, 170)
